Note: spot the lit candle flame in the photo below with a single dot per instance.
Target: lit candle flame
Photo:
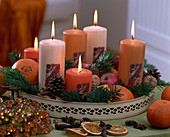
(95, 17)
(79, 66)
(75, 21)
(133, 30)
(53, 30)
(36, 43)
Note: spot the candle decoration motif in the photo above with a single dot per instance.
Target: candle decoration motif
(78, 79)
(32, 52)
(75, 40)
(131, 61)
(52, 59)
(96, 41)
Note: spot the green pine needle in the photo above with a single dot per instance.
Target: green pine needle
(148, 65)
(99, 94)
(14, 78)
(103, 64)
(71, 96)
(115, 93)
(162, 84)
(68, 64)
(143, 89)
(14, 56)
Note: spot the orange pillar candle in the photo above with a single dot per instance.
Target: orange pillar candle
(32, 53)
(131, 61)
(78, 79)
(75, 40)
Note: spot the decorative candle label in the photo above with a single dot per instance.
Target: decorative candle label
(83, 88)
(51, 70)
(76, 58)
(97, 52)
(135, 74)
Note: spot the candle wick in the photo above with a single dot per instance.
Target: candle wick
(74, 28)
(132, 37)
(52, 38)
(95, 24)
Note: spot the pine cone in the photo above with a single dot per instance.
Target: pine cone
(56, 85)
(153, 72)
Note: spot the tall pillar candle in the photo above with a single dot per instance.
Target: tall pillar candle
(96, 41)
(75, 40)
(32, 52)
(131, 61)
(52, 60)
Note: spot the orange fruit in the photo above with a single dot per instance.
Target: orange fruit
(28, 68)
(2, 91)
(166, 94)
(78, 131)
(92, 128)
(126, 93)
(117, 130)
(114, 71)
(158, 114)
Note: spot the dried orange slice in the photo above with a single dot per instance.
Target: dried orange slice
(92, 128)
(117, 130)
(78, 131)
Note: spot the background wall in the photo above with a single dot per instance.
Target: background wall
(112, 15)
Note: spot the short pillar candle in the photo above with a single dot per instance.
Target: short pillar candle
(32, 52)
(78, 80)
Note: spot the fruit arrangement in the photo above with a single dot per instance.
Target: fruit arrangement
(105, 81)
(23, 117)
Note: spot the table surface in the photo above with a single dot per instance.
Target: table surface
(142, 119)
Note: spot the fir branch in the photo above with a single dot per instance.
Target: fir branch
(115, 93)
(14, 78)
(148, 65)
(71, 96)
(162, 84)
(99, 94)
(143, 89)
(14, 56)
(103, 64)
(68, 64)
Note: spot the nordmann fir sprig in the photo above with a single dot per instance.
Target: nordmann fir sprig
(12, 77)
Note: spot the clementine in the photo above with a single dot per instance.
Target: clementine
(166, 93)
(2, 91)
(126, 93)
(28, 68)
(158, 114)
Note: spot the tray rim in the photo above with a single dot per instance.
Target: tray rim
(89, 103)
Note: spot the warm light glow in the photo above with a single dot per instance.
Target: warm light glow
(53, 30)
(75, 21)
(133, 30)
(36, 43)
(95, 17)
(79, 66)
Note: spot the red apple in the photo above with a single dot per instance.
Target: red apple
(109, 79)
